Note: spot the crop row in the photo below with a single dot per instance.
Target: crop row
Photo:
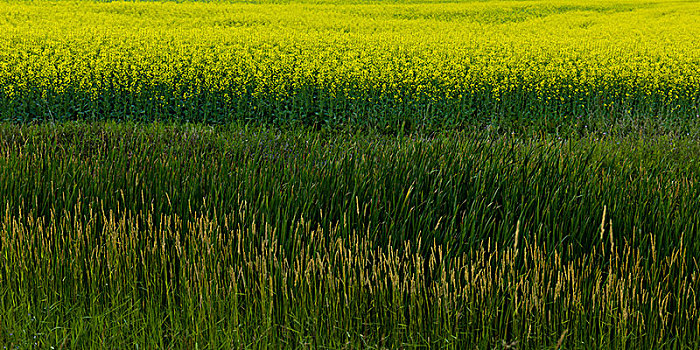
(415, 65)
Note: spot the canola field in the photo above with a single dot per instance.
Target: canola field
(350, 174)
(385, 64)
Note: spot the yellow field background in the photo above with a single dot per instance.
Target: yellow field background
(309, 61)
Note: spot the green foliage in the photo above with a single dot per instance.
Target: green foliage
(179, 236)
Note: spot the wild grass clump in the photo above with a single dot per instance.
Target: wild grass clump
(185, 236)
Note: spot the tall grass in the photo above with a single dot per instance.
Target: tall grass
(164, 236)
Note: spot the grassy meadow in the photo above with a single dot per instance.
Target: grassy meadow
(349, 174)
(175, 236)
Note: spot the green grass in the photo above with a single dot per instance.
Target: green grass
(190, 236)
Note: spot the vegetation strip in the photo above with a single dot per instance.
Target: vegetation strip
(156, 235)
(400, 65)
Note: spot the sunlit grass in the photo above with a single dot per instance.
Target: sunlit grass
(116, 235)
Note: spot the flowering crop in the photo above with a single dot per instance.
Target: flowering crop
(349, 62)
